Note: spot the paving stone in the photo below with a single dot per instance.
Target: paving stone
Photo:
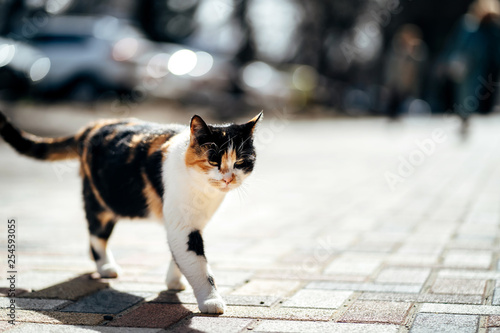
(403, 275)
(36, 328)
(318, 299)
(353, 264)
(374, 287)
(376, 312)
(307, 276)
(418, 260)
(57, 317)
(152, 316)
(278, 313)
(33, 304)
(468, 259)
(459, 286)
(231, 278)
(493, 321)
(138, 286)
(321, 327)
(189, 298)
(31, 279)
(70, 290)
(267, 287)
(4, 325)
(4, 292)
(444, 323)
(422, 298)
(469, 274)
(106, 301)
(496, 296)
(210, 325)
(460, 309)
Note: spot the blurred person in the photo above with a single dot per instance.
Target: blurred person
(403, 70)
(471, 62)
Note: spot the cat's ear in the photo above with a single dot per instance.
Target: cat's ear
(253, 122)
(199, 128)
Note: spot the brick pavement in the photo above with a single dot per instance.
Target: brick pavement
(317, 241)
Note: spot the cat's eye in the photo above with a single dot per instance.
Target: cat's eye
(213, 163)
(239, 162)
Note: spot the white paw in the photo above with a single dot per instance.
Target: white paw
(109, 270)
(214, 305)
(176, 285)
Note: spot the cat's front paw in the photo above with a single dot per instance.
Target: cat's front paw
(213, 306)
(109, 271)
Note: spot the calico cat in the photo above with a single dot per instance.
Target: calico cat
(132, 168)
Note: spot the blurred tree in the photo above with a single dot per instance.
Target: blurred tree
(11, 12)
(167, 21)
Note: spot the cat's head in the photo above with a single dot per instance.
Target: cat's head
(222, 155)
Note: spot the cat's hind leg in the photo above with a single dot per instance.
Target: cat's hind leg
(101, 223)
(174, 277)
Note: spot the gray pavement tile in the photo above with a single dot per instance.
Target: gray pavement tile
(278, 313)
(459, 286)
(403, 275)
(267, 287)
(376, 312)
(468, 259)
(33, 303)
(460, 309)
(69, 290)
(321, 327)
(469, 274)
(47, 328)
(422, 298)
(57, 317)
(373, 287)
(318, 299)
(444, 323)
(496, 296)
(152, 315)
(198, 324)
(106, 301)
(188, 298)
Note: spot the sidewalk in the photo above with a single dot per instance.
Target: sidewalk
(346, 226)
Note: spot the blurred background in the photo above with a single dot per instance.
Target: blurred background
(352, 57)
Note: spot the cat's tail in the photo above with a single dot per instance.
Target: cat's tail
(52, 149)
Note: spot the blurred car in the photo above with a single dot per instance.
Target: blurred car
(19, 65)
(87, 56)
(175, 71)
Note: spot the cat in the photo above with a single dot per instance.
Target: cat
(134, 169)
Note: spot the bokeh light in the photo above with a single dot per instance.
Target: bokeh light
(7, 52)
(182, 62)
(40, 69)
(203, 65)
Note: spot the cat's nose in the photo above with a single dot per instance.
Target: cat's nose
(228, 179)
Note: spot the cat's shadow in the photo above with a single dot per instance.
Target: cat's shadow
(90, 298)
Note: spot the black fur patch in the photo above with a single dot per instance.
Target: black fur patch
(195, 243)
(211, 281)
(153, 171)
(117, 166)
(218, 138)
(95, 255)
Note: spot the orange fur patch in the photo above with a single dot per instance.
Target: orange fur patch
(194, 160)
(227, 160)
(158, 143)
(134, 142)
(105, 217)
(153, 200)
